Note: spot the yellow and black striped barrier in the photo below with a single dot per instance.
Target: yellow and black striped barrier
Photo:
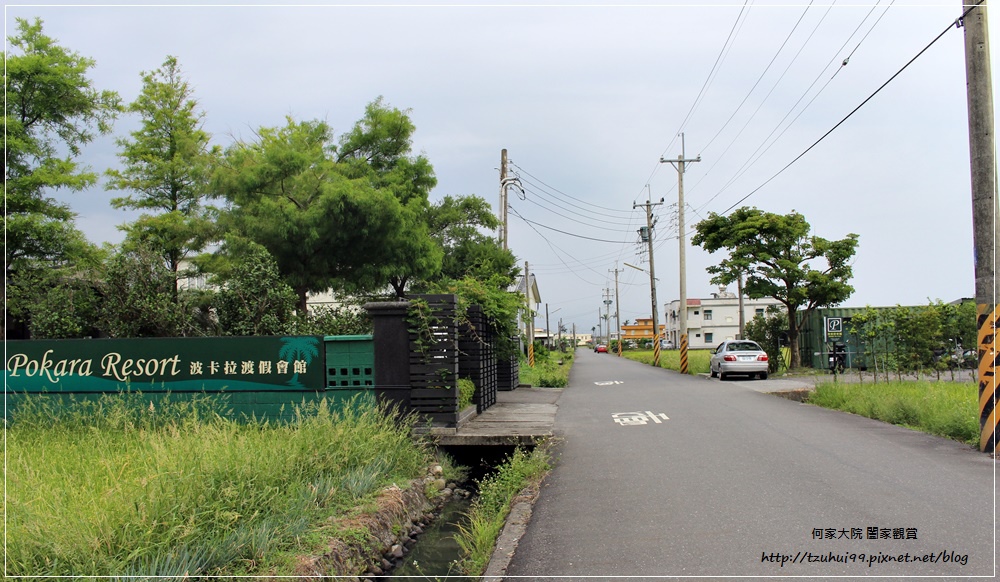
(986, 321)
(656, 350)
(684, 353)
(531, 355)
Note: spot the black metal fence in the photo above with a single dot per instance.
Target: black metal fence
(418, 363)
(477, 359)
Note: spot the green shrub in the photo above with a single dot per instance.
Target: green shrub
(466, 390)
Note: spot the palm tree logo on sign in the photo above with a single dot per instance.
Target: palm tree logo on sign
(299, 353)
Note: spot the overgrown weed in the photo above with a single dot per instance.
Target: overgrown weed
(488, 512)
(947, 409)
(116, 486)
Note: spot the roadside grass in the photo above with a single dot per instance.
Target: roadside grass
(115, 488)
(948, 409)
(551, 369)
(488, 512)
(671, 359)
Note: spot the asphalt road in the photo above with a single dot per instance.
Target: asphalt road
(736, 482)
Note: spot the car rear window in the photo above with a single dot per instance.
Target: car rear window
(744, 347)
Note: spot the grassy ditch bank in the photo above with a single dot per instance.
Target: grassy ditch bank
(489, 510)
(551, 369)
(114, 487)
(948, 409)
(671, 359)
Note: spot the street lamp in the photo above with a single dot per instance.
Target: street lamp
(652, 294)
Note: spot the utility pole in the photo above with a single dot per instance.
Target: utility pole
(548, 330)
(502, 211)
(982, 149)
(652, 276)
(505, 184)
(529, 317)
(618, 311)
(607, 315)
(743, 322)
(681, 162)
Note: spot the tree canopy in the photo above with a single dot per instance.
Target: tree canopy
(780, 259)
(349, 212)
(285, 192)
(456, 225)
(52, 111)
(166, 167)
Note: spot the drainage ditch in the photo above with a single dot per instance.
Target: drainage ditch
(436, 551)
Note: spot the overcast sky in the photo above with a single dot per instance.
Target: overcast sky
(586, 100)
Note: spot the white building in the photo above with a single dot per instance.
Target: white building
(714, 320)
(534, 300)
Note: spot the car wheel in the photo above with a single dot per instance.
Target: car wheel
(763, 375)
(722, 376)
(712, 372)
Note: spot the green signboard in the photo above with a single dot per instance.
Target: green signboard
(166, 364)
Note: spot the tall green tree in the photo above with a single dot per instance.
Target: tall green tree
(378, 149)
(166, 166)
(322, 227)
(782, 260)
(457, 224)
(52, 111)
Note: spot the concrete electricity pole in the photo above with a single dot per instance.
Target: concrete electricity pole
(607, 315)
(681, 163)
(618, 312)
(652, 276)
(502, 214)
(529, 317)
(982, 148)
(548, 330)
(505, 184)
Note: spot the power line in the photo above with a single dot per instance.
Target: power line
(566, 233)
(749, 162)
(761, 77)
(759, 153)
(541, 184)
(585, 216)
(555, 249)
(955, 24)
(704, 86)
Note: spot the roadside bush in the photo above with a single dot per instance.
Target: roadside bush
(466, 390)
(254, 300)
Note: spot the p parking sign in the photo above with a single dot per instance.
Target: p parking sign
(834, 328)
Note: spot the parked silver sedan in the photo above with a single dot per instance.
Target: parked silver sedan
(738, 357)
